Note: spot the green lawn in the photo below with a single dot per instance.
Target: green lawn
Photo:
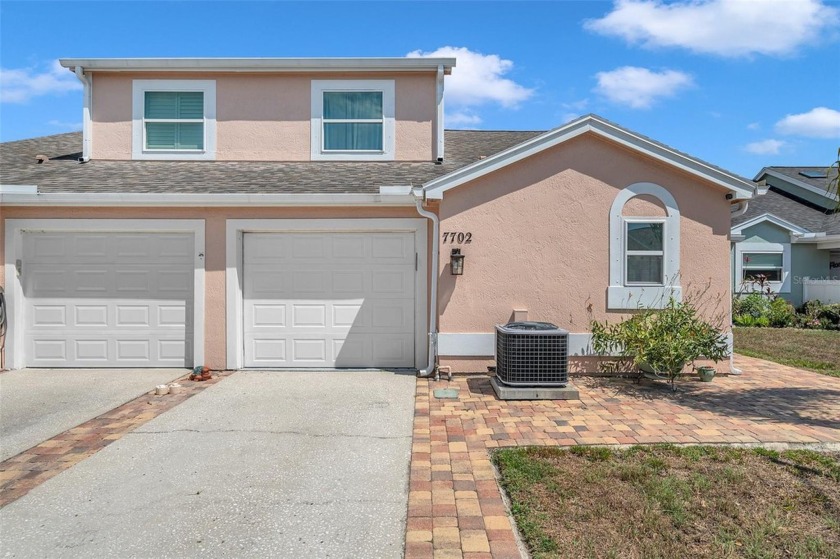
(816, 350)
(673, 502)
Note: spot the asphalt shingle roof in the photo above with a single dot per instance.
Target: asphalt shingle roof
(793, 211)
(63, 173)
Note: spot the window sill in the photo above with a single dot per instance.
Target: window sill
(628, 297)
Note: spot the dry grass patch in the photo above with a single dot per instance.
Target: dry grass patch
(665, 502)
(816, 350)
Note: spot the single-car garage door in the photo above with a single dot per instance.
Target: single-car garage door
(108, 299)
(329, 299)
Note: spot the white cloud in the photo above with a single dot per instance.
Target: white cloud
(820, 122)
(477, 79)
(72, 126)
(463, 118)
(720, 27)
(19, 85)
(640, 88)
(765, 147)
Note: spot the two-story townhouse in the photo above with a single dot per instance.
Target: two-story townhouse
(306, 213)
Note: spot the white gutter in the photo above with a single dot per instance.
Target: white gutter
(439, 124)
(260, 64)
(431, 369)
(87, 139)
(742, 208)
(109, 199)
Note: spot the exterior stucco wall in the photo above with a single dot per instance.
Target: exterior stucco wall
(540, 238)
(263, 117)
(214, 262)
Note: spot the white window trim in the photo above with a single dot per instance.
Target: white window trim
(387, 87)
(234, 278)
(765, 248)
(15, 346)
(620, 295)
(138, 129)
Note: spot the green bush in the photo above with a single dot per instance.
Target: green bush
(754, 304)
(781, 313)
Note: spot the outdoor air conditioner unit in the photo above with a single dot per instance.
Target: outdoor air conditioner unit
(532, 354)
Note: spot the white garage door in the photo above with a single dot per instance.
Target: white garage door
(108, 299)
(329, 299)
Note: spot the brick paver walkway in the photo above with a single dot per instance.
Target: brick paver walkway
(29, 469)
(455, 509)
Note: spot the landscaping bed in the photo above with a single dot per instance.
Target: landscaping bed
(816, 350)
(665, 501)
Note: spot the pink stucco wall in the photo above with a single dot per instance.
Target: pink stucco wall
(540, 237)
(263, 117)
(214, 263)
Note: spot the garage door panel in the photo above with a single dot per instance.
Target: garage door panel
(323, 299)
(108, 299)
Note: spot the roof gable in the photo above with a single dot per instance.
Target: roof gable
(740, 187)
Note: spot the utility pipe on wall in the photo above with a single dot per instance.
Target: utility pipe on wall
(431, 369)
(86, 124)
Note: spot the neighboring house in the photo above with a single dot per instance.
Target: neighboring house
(791, 236)
(284, 213)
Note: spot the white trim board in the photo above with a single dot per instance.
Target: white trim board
(234, 233)
(452, 344)
(742, 188)
(784, 224)
(399, 196)
(15, 228)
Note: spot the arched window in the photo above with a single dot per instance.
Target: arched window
(644, 248)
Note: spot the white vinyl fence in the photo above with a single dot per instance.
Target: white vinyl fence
(826, 291)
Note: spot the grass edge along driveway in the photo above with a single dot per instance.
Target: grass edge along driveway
(815, 350)
(667, 501)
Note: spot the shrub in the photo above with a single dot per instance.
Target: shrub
(781, 313)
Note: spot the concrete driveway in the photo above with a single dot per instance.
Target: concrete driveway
(275, 464)
(37, 404)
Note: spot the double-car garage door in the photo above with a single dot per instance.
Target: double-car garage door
(309, 299)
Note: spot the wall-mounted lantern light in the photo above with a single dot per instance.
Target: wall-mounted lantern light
(456, 262)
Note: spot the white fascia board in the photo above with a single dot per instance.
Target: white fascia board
(742, 188)
(28, 189)
(214, 200)
(260, 64)
(738, 229)
(769, 172)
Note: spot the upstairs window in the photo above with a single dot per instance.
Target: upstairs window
(644, 253)
(174, 119)
(352, 120)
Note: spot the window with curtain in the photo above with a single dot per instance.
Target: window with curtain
(767, 264)
(173, 120)
(644, 253)
(352, 121)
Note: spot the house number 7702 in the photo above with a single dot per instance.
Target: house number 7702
(457, 237)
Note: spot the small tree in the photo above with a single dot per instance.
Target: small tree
(662, 340)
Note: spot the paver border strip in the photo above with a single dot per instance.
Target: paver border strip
(25, 471)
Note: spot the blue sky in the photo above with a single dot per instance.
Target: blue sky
(740, 83)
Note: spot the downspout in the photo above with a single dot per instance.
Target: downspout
(439, 131)
(86, 124)
(431, 369)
